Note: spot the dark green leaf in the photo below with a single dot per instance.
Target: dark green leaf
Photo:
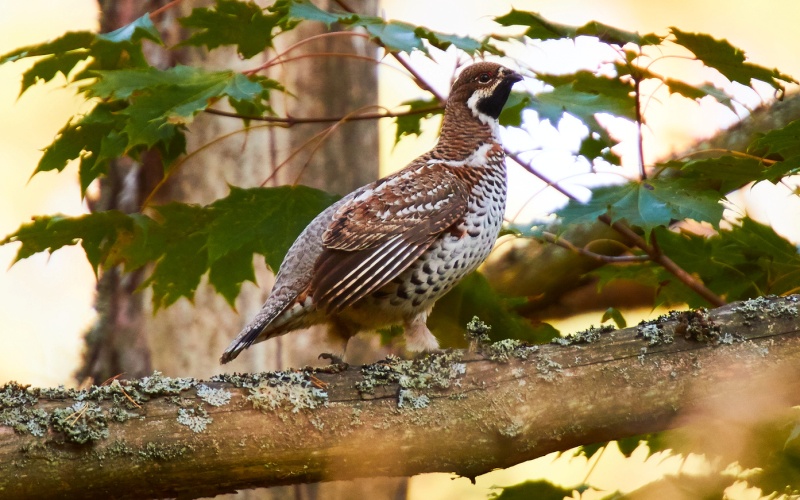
(723, 174)
(228, 273)
(589, 450)
(614, 314)
(411, 124)
(616, 36)
(511, 115)
(97, 233)
(303, 9)
(647, 204)
(743, 262)
(783, 145)
(231, 22)
(728, 60)
(592, 147)
(256, 219)
(539, 28)
(473, 296)
(469, 45)
(68, 42)
(540, 490)
(628, 445)
(698, 92)
(140, 29)
(584, 95)
(395, 36)
(47, 68)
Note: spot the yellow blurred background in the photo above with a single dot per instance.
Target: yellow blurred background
(46, 302)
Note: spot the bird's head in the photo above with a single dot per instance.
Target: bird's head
(484, 88)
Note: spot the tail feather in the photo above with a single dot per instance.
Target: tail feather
(256, 331)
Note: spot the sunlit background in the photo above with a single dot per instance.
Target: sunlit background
(46, 302)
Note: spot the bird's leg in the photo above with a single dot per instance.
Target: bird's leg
(339, 332)
(418, 336)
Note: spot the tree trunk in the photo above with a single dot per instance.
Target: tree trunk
(457, 412)
(187, 338)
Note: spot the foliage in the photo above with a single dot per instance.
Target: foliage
(140, 109)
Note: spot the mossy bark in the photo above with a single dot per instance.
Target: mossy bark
(461, 412)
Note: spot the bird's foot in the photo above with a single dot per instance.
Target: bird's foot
(333, 358)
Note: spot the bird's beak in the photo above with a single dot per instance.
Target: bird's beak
(511, 76)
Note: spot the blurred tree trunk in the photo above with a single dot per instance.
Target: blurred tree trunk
(187, 338)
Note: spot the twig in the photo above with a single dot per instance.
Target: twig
(563, 243)
(290, 120)
(668, 264)
(164, 8)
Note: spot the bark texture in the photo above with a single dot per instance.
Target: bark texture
(460, 412)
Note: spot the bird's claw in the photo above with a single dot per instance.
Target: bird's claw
(333, 358)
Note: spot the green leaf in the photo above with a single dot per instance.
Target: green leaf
(395, 36)
(72, 40)
(614, 314)
(593, 147)
(616, 36)
(473, 296)
(746, 261)
(227, 273)
(160, 103)
(138, 30)
(647, 204)
(411, 124)
(184, 257)
(584, 95)
(97, 233)
(308, 11)
(511, 115)
(540, 490)
(540, 28)
(47, 68)
(781, 145)
(469, 45)
(698, 92)
(728, 60)
(231, 22)
(256, 220)
(723, 174)
(94, 138)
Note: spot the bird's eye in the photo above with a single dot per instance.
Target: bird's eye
(484, 77)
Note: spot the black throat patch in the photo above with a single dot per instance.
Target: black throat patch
(493, 104)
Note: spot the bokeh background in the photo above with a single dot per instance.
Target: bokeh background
(46, 301)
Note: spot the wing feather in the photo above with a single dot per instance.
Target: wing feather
(379, 234)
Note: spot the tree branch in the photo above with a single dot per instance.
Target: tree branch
(458, 412)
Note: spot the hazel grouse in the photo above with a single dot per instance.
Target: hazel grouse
(386, 252)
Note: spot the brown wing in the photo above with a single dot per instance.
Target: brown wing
(382, 231)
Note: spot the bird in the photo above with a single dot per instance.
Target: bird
(385, 253)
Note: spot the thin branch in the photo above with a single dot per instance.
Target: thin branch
(174, 168)
(637, 82)
(164, 8)
(280, 56)
(563, 243)
(290, 120)
(668, 264)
